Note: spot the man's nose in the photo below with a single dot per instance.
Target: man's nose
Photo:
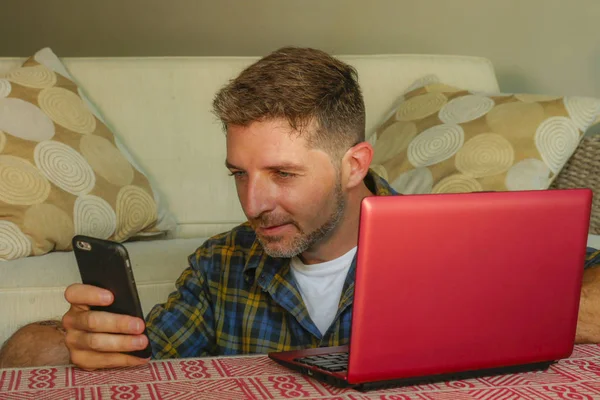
(259, 197)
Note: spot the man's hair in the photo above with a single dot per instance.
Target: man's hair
(306, 87)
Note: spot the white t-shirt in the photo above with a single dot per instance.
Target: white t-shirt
(321, 287)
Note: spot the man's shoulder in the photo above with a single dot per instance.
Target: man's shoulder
(378, 185)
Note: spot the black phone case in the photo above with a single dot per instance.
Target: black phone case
(106, 264)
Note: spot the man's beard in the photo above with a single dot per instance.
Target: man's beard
(303, 241)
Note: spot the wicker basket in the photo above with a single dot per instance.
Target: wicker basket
(583, 171)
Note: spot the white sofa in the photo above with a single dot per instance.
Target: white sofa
(160, 109)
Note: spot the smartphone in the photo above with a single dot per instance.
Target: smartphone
(106, 264)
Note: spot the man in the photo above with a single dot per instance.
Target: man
(295, 124)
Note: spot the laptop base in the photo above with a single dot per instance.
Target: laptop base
(331, 379)
(455, 376)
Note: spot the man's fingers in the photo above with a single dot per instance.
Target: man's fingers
(105, 342)
(79, 294)
(98, 339)
(104, 322)
(90, 360)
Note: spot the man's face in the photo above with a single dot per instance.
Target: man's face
(290, 193)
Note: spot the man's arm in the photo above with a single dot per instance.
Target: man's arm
(35, 345)
(184, 325)
(588, 323)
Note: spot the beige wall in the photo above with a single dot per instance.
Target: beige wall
(542, 46)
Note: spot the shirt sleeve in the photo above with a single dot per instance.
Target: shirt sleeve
(184, 325)
(592, 258)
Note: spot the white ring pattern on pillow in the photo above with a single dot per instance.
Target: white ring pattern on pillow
(13, 243)
(528, 174)
(582, 110)
(435, 144)
(93, 216)
(465, 109)
(64, 167)
(556, 139)
(416, 181)
(5, 88)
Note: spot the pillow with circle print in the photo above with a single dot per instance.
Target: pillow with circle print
(444, 139)
(62, 170)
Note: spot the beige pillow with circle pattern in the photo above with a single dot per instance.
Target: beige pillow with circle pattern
(445, 139)
(61, 170)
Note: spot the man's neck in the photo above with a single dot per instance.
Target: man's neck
(344, 237)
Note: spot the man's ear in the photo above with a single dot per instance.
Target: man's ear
(356, 164)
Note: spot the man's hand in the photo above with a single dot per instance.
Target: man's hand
(97, 339)
(588, 323)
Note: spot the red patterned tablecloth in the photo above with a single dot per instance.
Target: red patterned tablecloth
(257, 377)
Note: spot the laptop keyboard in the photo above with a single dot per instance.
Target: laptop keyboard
(334, 362)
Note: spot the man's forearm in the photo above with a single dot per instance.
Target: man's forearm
(34, 345)
(588, 323)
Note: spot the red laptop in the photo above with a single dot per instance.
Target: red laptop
(453, 286)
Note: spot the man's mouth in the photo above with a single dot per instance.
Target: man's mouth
(273, 229)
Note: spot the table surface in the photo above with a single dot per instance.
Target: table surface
(257, 377)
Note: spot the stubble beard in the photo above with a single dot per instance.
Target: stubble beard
(304, 241)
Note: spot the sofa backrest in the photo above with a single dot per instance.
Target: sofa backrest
(160, 108)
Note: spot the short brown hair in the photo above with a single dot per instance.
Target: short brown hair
(306, 87)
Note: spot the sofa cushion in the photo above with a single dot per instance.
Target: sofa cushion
(442, 138)
(34, 286)
(62, 171)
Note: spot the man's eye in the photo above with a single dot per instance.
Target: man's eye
(236, 174)
(283, 174)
